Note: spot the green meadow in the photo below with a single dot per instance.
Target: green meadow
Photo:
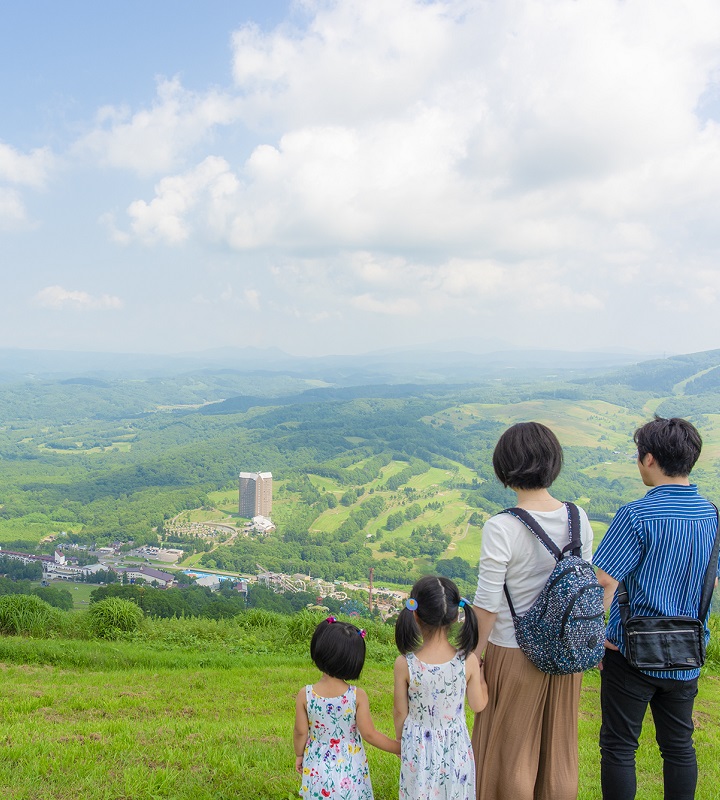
(130, 721)
(202, 709)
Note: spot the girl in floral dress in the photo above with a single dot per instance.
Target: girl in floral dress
(332, 718)
(432, 679)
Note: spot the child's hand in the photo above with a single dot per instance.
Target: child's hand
(298, 764)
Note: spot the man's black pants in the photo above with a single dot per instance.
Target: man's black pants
(624, 696)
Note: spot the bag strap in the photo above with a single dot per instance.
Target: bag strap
(574, 546)
(708, 582)
(711, 573)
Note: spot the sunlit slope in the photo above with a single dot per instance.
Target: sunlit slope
(586, 423)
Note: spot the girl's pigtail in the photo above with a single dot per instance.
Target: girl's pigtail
(468, 638)
(407, 633)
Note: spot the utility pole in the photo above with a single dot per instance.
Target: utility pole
(370, 597)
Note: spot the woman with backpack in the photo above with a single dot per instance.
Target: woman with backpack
(525, 740)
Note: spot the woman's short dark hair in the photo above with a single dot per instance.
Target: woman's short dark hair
(438, 605)
(527, 456)
(338, 649)
(674, 443)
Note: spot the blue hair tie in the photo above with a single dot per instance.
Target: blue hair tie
(411, 604)
(461, 604)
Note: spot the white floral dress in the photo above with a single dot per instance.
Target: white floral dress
(334, 761)
(436, 754)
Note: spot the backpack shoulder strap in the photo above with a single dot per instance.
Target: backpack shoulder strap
(533, 526)
(575, 545)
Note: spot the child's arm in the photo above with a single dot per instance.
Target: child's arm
(477, 691)
(300, 732)
(400, 702)
(367, 730)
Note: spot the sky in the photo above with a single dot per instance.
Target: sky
(341, 177)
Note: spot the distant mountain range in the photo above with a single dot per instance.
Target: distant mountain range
(423, 366)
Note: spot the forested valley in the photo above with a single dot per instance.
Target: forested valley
(397, 477)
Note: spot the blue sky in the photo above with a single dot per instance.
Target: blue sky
(338, 177)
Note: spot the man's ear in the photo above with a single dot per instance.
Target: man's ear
(648, 460)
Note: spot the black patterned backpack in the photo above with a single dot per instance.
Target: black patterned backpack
(563, 631)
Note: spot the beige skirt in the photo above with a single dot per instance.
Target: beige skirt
(526, 739)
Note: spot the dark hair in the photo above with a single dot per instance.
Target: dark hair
(438, 604)
(527, 456)
(338, 649)
(674, 443)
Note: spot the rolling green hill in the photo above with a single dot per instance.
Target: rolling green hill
(385, 475)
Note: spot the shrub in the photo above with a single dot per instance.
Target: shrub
(300, 627)
(114, 616)
(260, 618)
(28, 615)
(54, 596)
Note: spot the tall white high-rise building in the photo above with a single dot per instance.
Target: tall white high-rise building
(255, 494)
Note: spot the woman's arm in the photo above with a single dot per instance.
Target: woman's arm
(400, 696)
(367, 730)
(300, 732)
(609, 585)
(495, 555)
(486, 622)
(477, 691)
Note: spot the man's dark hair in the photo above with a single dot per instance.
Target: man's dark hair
(338, 649)
(527, 456)
(674, 443)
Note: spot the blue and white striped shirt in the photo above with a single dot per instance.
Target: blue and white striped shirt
(660, 546)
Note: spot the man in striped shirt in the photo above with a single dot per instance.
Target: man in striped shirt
(660, 546)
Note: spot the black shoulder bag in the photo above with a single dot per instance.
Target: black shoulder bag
(668, 642)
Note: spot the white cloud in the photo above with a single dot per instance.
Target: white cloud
(399, 307)
(57, 297)
(165, 218)
(12, 208)
(527, 130)
(252, 298)
(25, 170)
(460, 278)
(440, 157)
(355, 61)
(154, 140)
(107, 221)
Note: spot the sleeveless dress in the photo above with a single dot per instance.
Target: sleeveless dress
(436, 756)
(334, 762)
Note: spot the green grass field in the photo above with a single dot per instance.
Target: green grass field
(201, 515)
(215, 734)
(466, 545)
(333, 518)
(588, 422)
(80, 591)
(226, 500)
(326, 484)
(191, 561)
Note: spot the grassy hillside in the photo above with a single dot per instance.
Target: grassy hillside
(205, 733)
